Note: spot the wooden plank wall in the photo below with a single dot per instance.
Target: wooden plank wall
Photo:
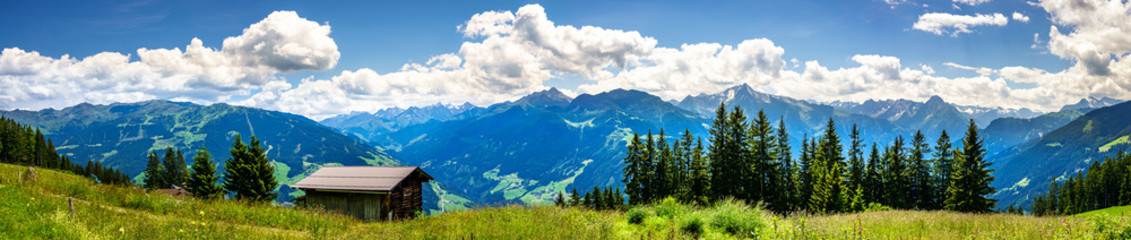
(407, 199)
(361, 206)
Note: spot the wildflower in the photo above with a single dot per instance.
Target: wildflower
(121, 229)
(201, 212)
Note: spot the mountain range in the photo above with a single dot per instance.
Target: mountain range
(529, 149)
(120, 135)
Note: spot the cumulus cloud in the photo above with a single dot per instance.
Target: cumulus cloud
(282, 42)
(515, 53)
(1100, 30)
(1020, 17)
(971, 2)
(945, 23)
(511, 54)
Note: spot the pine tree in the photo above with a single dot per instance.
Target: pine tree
(598, 200)
(943, 169)
(202, 182)
(829, 193)
(895, 177)
(574, 198)
(805, 175)
(587, 201)
(856, 167)
(719, 133)
(873, 182)
(560, 200)
(971, 181)
(764, 185)
(174, 165)
(663, 162)
(683, 171)
(920, 173)
(650, 156)
(610, 200)
(634, 171)
(249, 173)
(154, 172)
(787, 170)
(700, 180)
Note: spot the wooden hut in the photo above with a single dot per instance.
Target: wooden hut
(367, 193)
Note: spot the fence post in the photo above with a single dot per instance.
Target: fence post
(72, 202)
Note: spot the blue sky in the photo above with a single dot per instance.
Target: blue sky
(384, 36)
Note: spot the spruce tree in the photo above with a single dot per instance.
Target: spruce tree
(634, 171)
(895, 176)
(175, 170)
(649, 157)
(560, 200)
(202, 182)
(920, 191)
(740, 159)
(574, 197)
(154, 172)
(719, 133)
(787, 170)
(829, 193)
(598, 200)
(873, 180)
(805, 173)
(249, 173)
(856, 167)
(763, 184)
(971, 181)
(943, 169)
(700, 180)
(587, 201)
(663, 165)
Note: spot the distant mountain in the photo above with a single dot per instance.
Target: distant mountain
(984, 115)
(120, 135)
(1092, 102)
(547, 98)
(1060, 153)
(529, 150)
(801, 117)
(1003, 133)
(375, 127)
(931, 116)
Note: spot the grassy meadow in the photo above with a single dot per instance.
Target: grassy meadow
(39, 209)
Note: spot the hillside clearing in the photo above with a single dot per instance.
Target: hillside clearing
(39, 209)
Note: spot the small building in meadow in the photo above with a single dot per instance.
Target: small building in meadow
(368, 193)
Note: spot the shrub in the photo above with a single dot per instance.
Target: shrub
(875, 207)
(692, 225)
(737, 218)
(669, 208)
(637, 215)
(78, 190)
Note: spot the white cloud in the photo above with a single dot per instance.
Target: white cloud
(283, 42)
(985, 72)
(944, 23)
(515, 54)
(1100, 30)
(1020, 17)
(510, 54)
(972, 2)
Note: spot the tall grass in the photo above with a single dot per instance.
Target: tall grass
(40, 210)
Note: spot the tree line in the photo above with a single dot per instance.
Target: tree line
(752, 160)
(600, 198)
(24, 145)
(248, 173)
(1106, 184)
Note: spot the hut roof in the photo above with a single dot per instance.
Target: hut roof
(361, 178)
